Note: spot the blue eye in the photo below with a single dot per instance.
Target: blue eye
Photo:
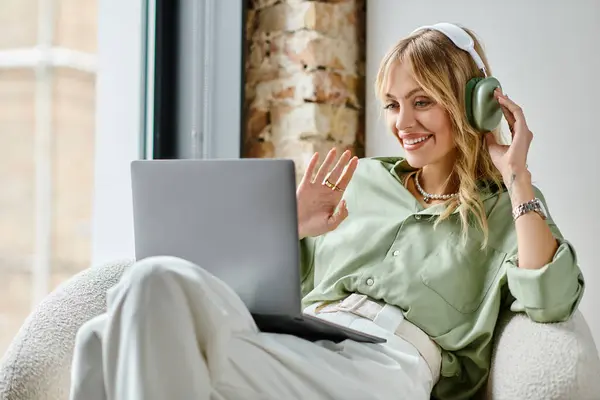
(422, 103)
(389, 106)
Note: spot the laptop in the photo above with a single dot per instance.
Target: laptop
(237, 219)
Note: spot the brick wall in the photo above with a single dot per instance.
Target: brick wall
(304, 87)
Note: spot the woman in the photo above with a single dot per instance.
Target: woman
(424, 251)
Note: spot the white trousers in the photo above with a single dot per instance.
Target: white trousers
(174, 331)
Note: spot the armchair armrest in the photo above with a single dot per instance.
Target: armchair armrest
(543, 361)
(37, 364)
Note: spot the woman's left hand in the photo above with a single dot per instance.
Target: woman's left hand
(510, 159)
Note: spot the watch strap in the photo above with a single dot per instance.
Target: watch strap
(534, 205)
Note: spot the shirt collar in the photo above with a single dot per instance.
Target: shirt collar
(399, 166)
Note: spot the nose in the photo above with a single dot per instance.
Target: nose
(405, 119)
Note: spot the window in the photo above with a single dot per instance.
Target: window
(47, 116)
(197, 86)
(87, 86)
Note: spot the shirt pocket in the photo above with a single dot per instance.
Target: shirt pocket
(462, 274)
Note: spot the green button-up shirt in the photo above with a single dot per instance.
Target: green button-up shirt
(388, 249)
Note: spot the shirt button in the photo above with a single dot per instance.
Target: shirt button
(396, 253)
(370, 281)
(417, 217)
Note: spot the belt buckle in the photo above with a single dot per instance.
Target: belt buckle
(353, 303)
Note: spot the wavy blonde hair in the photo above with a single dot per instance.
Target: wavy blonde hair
(442, 70)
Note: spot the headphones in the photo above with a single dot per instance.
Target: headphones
(483, 111)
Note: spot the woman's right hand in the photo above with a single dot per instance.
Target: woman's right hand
(320, 205)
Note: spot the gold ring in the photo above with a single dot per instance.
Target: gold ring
(329, 184)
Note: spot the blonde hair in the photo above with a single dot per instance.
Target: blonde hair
(442, 70)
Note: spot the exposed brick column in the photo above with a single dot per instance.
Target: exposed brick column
(304, 78)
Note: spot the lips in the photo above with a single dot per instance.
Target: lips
(415, 142)
(412, 141)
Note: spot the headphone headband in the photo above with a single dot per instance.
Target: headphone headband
(460, 38)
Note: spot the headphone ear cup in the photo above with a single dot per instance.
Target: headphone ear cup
(469, 99)
(483, 110)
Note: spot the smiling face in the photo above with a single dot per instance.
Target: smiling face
(422, 126)
(421, 81)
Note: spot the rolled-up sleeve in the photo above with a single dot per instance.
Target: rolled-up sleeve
(551, 293)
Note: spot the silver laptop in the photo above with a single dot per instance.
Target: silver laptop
(237, 219)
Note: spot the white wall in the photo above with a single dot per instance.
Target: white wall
(545, 54)
(118, 126)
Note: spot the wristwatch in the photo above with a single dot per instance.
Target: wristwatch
(534, 205)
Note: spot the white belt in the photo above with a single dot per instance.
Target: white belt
(386, 316)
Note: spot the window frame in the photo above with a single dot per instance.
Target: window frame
(198, 82)
(148, 88)
(118, 130)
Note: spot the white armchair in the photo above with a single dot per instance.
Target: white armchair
(531, 361)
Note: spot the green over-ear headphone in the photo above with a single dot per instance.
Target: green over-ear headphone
(483, 111)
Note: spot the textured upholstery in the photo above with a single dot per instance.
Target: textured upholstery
(544, 361)
(36, 365)
(531, 361)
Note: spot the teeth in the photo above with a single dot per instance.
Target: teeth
(415, 141)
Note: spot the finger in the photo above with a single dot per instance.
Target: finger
(337, 170)
(322, 173)
(515, 110)
(508, 115)
(342, 183)
(510, 118)
(338, 216)
(310, 168)
(523, 139)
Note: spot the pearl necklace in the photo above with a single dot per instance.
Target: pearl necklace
(427, 197)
